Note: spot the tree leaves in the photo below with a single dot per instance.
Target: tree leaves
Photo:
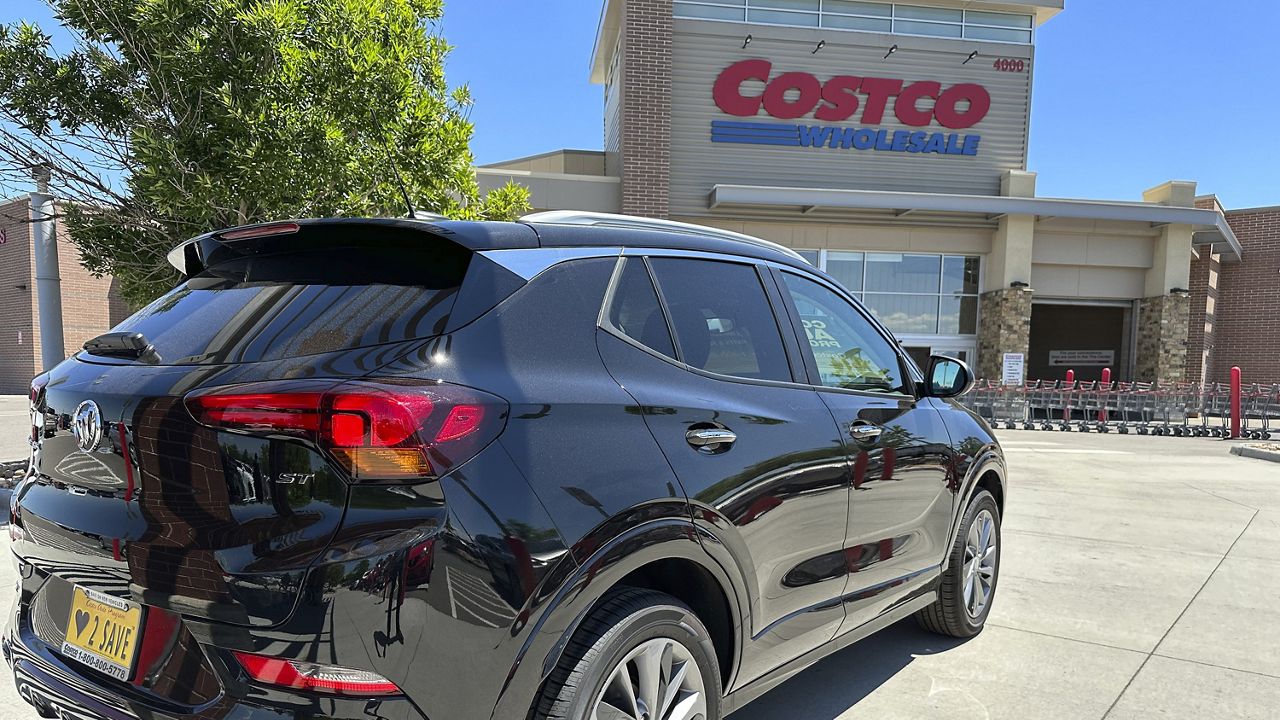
(171, 118)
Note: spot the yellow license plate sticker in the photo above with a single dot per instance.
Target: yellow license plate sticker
(103, 632)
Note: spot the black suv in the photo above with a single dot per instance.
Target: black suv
(578, 467)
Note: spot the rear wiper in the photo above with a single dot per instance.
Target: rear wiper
(122, 344)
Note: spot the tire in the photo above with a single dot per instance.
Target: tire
(952, 614)
(629, 621)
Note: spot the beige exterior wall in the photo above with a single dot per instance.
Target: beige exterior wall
(815, 235)
(568, 162)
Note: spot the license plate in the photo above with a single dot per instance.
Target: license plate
(103, 632)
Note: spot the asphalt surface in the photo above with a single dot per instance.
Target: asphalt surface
(1139, 579)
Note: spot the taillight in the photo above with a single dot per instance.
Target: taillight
(378, 430)
(299, 675)
(37, 414)
(16, 533)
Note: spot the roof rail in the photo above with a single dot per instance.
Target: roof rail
(581, 217)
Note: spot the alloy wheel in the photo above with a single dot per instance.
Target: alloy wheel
(658, 680)
(980, 554)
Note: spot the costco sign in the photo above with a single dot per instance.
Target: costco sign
(843, 99)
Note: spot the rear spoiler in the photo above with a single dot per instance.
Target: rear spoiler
(189, 257)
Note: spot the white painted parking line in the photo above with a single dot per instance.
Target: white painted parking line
(1016, 443)
(1067, 451)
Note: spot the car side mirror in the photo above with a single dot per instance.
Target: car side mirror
(948, 377)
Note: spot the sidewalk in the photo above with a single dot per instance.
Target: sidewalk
(14, 427)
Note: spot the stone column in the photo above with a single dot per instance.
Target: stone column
(1164, 315)
(1163, 321)
(1005, 328)
(1005, 308)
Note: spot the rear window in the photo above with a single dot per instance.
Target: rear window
(268, 302)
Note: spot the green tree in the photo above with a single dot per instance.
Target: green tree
(170, 118)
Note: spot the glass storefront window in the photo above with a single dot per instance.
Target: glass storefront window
(960, 275)
(896, 272)
(847, 268)
(917, 314)
(958, 315)
(911, 293)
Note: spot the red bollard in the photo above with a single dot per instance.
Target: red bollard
(1071, 386)
(1106, 386)
(1235, 402)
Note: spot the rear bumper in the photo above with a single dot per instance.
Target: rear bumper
(57, 688)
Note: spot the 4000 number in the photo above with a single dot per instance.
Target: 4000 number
(1010, 65)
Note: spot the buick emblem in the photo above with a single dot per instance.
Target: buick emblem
(87, 426)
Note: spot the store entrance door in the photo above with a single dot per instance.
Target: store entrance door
(1081, 337)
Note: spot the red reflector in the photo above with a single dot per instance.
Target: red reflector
(317, 678)
(347, 430)
(462, 421)
(260, 231)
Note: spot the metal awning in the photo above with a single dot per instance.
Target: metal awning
(1209, 227)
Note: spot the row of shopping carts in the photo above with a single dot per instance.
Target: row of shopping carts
(1182, 409)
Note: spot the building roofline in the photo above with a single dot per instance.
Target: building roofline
(1208, 223)
(1263, 208)
(610, 24)
(539, 156)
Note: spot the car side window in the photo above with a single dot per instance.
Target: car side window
(722, 319)
(847, 349)
(636, 311)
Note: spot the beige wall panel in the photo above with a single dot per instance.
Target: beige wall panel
(1060, 249)
(1093, 283)
(1055, 280)
(1120, 251)
(868, 237)
(968, 241)
(1115, 283)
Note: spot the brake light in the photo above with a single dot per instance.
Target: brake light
(299, 675)
(378, 430)
(37, 416)
(257, 231)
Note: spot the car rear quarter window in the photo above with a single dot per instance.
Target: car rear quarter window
(722, 318)
(636, 311)
(286, 303)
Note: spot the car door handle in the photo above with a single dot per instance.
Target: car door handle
(864, 432)
(704, 437)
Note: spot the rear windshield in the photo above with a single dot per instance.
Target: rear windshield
(268, 302)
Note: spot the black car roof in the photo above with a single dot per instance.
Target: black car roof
(478, 236)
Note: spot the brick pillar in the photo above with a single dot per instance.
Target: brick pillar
(1202, 313)
(646, 108)
(1005, 328)
(1163, 322)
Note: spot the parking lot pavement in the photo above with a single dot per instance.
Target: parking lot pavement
(14, 427)
(1139, 580)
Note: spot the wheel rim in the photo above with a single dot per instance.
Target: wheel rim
(658, 680)
(980, 555)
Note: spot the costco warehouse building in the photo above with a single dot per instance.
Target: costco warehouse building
(887, 142)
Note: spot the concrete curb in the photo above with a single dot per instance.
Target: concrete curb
(1257, 452)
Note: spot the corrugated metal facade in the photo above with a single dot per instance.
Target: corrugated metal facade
(613, 118)
(702, 49)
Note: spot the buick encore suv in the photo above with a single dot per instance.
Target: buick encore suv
(579, 466)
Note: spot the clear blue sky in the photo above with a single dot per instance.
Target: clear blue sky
(1128, 93)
